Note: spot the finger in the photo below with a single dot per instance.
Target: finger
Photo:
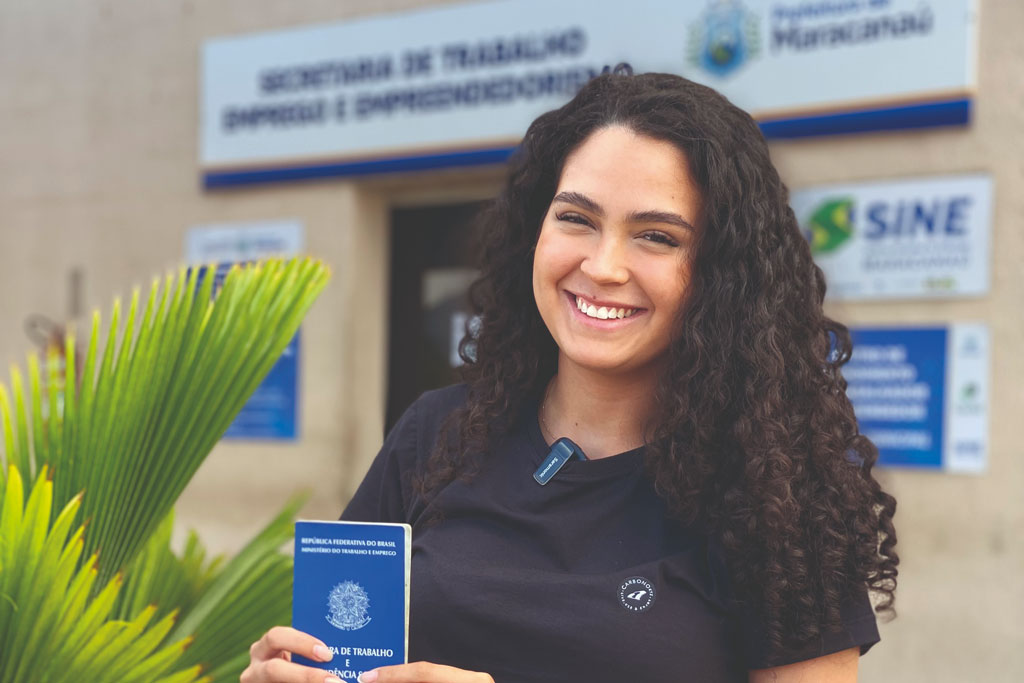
(423, 672)
(283, 671)
(281, 639)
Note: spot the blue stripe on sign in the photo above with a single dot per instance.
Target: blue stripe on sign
(948, 113)
(217, 179)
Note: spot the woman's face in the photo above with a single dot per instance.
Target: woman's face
(612, 261)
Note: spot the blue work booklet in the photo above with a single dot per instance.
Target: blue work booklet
(351, 590)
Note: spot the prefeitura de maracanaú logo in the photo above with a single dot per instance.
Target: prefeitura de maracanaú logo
(726, 35)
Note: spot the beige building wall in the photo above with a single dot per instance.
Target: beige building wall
(98, 172)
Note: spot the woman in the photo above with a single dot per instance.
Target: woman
(645, 292)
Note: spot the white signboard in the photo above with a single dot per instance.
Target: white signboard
(238, 242)
(922, 237)
(459, 84)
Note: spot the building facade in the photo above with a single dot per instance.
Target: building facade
(100, 184)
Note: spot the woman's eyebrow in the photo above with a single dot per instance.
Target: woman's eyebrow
(580, 200)
(660, 217)
(585, 202)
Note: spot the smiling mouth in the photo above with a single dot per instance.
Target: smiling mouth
(603, 312)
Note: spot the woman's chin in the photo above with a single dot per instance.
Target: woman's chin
(607, 364)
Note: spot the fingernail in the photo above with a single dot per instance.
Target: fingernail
(367, 676)
(323, 654)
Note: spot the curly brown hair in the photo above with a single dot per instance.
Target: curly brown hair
(754, 438)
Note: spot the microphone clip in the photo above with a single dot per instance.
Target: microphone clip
(561, 452)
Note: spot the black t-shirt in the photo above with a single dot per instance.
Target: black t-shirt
(584, 579)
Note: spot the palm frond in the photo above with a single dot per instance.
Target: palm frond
(114, 442)
(158, 576)
(254, 587)
(47, 602)
(225, 606)
(150, 408)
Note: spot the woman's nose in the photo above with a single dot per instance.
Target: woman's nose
(606, 263)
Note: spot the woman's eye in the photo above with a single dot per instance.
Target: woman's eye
(660, 238)
(573, 218)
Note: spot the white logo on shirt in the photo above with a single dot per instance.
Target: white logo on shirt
(636, 594)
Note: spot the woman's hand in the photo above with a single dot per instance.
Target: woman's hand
(423, 672)
(270, 658)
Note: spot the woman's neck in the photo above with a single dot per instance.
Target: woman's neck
(604, 414)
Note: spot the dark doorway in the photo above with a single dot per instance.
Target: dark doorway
(432, 251)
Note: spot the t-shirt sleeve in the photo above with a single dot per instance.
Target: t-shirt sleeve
(385, 492)
(858, 628)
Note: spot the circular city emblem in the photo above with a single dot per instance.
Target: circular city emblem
(724, 38)
(636, 594)
(349, 605)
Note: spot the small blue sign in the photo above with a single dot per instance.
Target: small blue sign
(271, 410)
(897, 384)
(270, 413)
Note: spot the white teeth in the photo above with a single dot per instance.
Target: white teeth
(603, 313)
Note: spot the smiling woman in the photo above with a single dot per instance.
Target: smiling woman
(646, 294)
(617, 238)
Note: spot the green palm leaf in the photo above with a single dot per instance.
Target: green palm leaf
(38, 575)
(148, 411)
(114, 444)
(225, 606)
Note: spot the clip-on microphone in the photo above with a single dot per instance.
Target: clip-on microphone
(560, 453)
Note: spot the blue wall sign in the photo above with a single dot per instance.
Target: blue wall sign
(270, 413)
(920, 394)
(897, 383)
